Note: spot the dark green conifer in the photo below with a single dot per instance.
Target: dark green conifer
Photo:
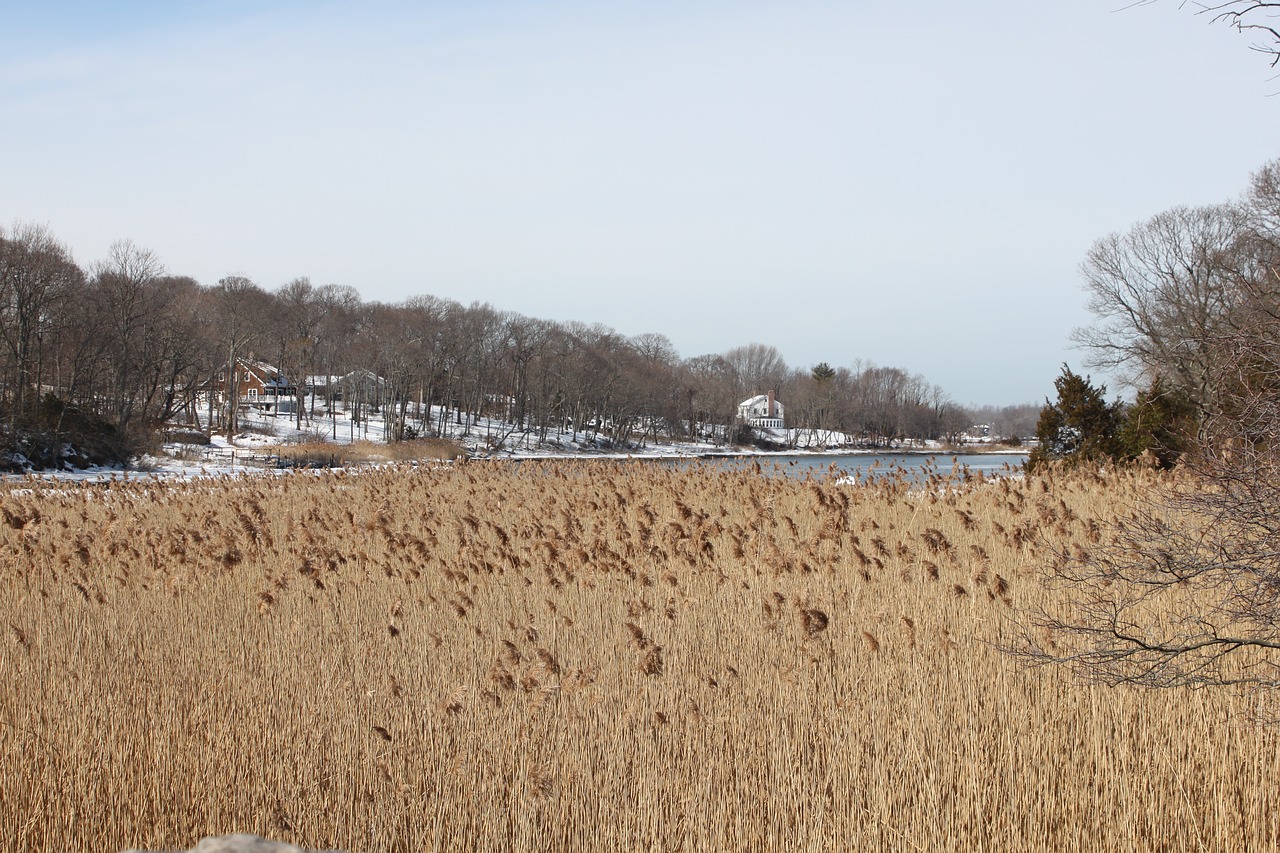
(1161, 422)
(1081, 426)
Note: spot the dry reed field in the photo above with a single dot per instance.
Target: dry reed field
(584, 656)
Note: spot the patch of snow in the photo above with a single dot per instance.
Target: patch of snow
(241, 843)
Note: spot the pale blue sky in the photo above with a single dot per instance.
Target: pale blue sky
(909, 184)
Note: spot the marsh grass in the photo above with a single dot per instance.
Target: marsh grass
(583, 656)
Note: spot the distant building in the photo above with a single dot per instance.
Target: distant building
(258, 385)
(359, 387)
(762, 410)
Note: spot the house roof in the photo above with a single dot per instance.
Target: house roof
(268, 374)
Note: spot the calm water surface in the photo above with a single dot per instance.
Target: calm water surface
(915, 466)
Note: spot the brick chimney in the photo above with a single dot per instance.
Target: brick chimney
(770, 412)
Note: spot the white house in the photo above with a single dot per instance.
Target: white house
(762, 410)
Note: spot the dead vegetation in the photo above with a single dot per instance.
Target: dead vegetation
(583, 656)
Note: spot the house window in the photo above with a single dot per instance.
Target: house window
(248, 377)
(253, 393)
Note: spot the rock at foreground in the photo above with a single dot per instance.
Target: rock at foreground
(242, 843)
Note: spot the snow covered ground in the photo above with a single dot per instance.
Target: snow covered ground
(241, 843)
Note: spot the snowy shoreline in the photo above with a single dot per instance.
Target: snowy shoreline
(162, 469)
(257, 452)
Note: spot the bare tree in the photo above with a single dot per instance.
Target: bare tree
(1184, 590)
(525, 338)
(37, 275)
(427, 325)
(1247, 16)
(652, 374)
(596, 379)
(339, 324)
(241, 307)
(1163, 294)
(307, 317)
(184, 350)
(758, 368)
(131, 305)
(709, 389)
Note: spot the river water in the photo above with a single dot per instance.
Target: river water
(914, 467)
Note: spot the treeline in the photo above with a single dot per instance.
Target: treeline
(118, 349)
(1188, 312)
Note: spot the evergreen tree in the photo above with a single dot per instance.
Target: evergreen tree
(1080, 426)
(823, 372)
(1161, 422)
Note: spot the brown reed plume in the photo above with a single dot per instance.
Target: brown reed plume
(584, 656)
